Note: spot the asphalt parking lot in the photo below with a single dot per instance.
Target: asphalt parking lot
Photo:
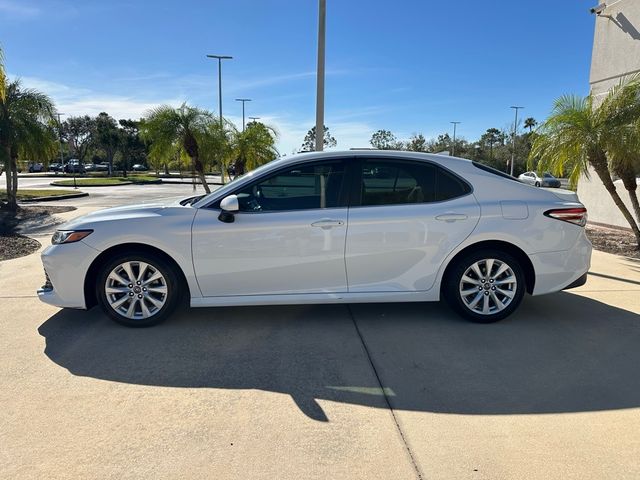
(329, 391)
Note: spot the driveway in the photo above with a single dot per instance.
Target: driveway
(330, 391)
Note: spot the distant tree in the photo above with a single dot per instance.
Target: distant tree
(79, 134)
(253, 147)
(132, 148)
(383, 140)
(530, 123)
(309, 143)
(492, 137)
(106, 137)
(3, 76)
(440, 144)
(417, 143)
(171, 129)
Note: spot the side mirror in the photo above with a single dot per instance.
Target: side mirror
(229, 205)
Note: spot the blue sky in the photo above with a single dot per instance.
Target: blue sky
(406, 66)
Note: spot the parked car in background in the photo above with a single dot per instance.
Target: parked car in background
(332, 227)
(138, 167)
(36, 168)
(102, 167)
(547, 180)
(89, 167)
(55, 167)
(74, 166)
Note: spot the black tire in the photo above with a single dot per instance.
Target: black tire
(452, 286)
(537, 184)
(170, 278)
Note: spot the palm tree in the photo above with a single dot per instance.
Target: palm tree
(24, 132)
(623, 152)
(577, 135)
(253, 147)
(184, 127)
(530, 123)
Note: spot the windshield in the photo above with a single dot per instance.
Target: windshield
(548, 175)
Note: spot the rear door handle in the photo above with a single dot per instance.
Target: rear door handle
(327, 223)
(451, 217)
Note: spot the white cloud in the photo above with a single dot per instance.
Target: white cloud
(73, 101)
(19, 9)
(291, 129)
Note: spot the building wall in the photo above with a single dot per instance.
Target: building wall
(616, 53)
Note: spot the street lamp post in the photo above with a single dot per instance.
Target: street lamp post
(220, 58)
(453, 149)
(322, 13)
(513, 143)
(243, 100)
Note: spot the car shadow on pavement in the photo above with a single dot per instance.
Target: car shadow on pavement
(559, 353)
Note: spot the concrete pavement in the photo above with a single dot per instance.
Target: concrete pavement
(361, 391)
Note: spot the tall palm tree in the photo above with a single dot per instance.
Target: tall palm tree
(24, 131)
(253, 147)
(623, 150)
(184, 127)
(577, 135)
(530, 123)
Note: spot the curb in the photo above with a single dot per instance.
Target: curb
(56, 197)
(152, 182)
(178, 182)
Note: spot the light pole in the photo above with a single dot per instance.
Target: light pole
(220, 58)
(453, 150)
(243, 100)
(513, 144)
(322, 14)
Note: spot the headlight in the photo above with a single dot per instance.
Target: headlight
(69, 236)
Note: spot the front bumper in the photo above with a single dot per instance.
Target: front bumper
(66, 266)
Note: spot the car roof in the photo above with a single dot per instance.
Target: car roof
(359, 153)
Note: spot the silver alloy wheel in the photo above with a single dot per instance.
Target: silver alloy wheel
(488, 286)
(136, 290)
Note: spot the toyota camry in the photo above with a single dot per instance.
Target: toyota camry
(339, 227)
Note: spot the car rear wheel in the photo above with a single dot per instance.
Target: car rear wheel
(137, 289)
(537, 184)
(485, 286)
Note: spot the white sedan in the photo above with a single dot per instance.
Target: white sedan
(339, 227)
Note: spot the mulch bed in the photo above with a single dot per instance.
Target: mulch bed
(14, 245)
(611, 240)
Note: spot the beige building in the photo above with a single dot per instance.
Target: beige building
(616, 53)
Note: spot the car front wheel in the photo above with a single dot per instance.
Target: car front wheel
(137, 290)
(485, 286)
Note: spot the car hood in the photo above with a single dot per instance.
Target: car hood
(128, 212)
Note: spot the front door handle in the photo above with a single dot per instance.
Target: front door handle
(327, 223)
(451, 217)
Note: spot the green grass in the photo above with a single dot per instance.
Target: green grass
(108, 180)
(29, 194)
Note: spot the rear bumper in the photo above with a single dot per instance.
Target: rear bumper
(577, 283)
(557, 271)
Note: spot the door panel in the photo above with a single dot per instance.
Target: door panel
(288, 238)
(401, 247)
(270, 253)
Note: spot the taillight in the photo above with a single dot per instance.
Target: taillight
(577, 216)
